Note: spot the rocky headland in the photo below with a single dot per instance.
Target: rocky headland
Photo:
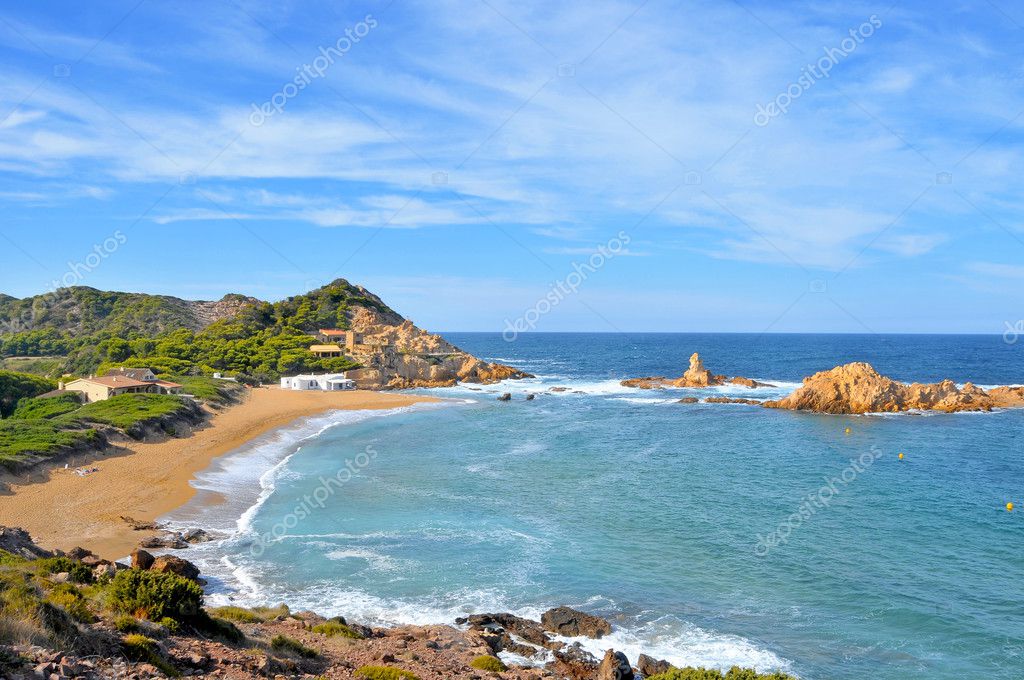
(694, 376)
(858, 388)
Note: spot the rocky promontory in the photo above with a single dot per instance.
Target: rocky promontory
(858, 388)
(694, 376)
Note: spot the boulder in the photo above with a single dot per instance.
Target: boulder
(105, 569)
(505, 397)
(614, 666)
(80, 554)
(195, 536)
(689, 400)
(649, 666)
(572, 623)
(575, 663)
(141, 559)
(497, 624)
(696, 375)
(18, 542)
(172, 541)
(171, 564)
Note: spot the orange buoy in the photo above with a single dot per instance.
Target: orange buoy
(901, 456)
(1009, 507)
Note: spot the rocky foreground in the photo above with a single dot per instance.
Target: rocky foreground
(75, 615)
(855, 388)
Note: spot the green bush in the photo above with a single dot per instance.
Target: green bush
(335, 628)
(153, 595)
(734, 673)
(488, 663)
(141, 648)
(15, 386)
(286, 645)
(218, 628)
(385, 673)
(77, 572)
(126, 623)
(22, 439)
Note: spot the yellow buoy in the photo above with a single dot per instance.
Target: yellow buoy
(901, 456)
(1009, 507)
(847, 430)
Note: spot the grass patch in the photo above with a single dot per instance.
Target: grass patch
(48, 407)
(734, 673)
(385, 673)
(20, 440)
(48, 367)
(71, 600)
(286, 645)
(335, 629)
(489, 663)
(253, 615)
(141, 648)
(128, 410)
(205, 388)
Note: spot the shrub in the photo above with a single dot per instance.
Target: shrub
(49, 407)
(219, 628)
(488, 663)
(154, 596)
(335, 628)
(286, 645)
(71, 600)
(77, 572)
(385, 673)
(126, 624)
(141, 648)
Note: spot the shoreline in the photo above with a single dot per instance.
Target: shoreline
(146, 480)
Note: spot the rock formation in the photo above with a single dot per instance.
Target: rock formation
(695, 376)
(572, 623)
(396, 354)
(858, 388)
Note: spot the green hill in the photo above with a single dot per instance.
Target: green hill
(90, 329)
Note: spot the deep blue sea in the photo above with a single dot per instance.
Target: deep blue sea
(710, 534)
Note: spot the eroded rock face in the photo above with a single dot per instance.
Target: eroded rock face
(858, 388)
(696, 375)
(170, 564)
(614, 666)
(396, 354)
(18, 542)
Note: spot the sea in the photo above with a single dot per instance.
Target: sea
(708, 534)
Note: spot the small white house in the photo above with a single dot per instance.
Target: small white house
(328, 382)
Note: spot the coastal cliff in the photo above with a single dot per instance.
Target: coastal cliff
(858, 388)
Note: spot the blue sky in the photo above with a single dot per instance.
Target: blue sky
(828, 166)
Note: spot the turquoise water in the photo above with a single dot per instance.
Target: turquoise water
(654, 513)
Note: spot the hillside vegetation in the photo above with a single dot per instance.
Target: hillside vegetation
(92, 329)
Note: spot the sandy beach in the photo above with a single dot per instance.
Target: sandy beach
(146, 480)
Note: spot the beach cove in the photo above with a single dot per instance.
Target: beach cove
(147, 480)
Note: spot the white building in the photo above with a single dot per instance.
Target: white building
(328, 382)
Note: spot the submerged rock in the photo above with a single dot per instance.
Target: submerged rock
(505, 397)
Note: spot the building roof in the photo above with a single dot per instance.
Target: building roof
(325, 348)
(165, 383)
(58, 393)
(113, 382)
(133, 373)
(332, 332)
